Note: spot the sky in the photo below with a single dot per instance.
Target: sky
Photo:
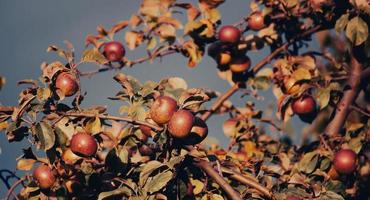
(29, 27)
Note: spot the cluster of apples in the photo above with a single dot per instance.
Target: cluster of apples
(82, 145)
(67, 82)
(181, 123)
(225, 51)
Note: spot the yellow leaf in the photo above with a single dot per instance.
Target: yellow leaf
(301, 74)
(134, 39)
(166, 31)
(93, 126)
(135, 20)
(171, 21)
(198, 186)
(25, 164)
(3, 125)
(213, 15)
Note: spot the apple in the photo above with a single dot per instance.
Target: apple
(162, 109)
(240, 64)
(256, 21)
(44, 176)
(229, 127)
(66, 83)
(304, 105)
(345, 161)
(181, 124)
(83, 144)
(114, 51)
(198, 132)
(293, 198)
(69, 157)
(229, 34)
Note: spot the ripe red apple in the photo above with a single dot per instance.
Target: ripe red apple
(181, 124)
(114, 51)
(256, 21)
(304, 105)
(229, 34)
(293, 198)
(198, 132)
(69, 157)
(66, 83)
(83, 144)
(146, 130)
(229, 127)
(44, 176)
(240, 64)
(345, 161)
(162, 109)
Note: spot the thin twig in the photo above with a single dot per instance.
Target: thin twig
(14, 186)
(360, 110)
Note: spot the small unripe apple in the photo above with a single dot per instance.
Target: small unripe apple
(229, 34)
(181, 124)
(304, 105)
(69, 157)
(256, 21)
(162, 109)
(44, 176)
(198, 132)
(293, 198)
(66, 83)
(83, 144)
(240, 64)
(345, 161)
(114, 51)
(229, 127)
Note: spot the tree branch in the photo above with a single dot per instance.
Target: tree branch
(14, 186)
(350, 94)
(114, 118)
(211, 172)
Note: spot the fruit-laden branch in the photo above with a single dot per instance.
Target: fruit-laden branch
(255, 70)
(350, 94)
(211, 172)
(114, 118)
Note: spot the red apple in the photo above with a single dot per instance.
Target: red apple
(162, 109)
(229, 34)
(293, 198)
(240, 64)
(181, 124)
(114, 51)
(304, 105)
(83, 144)
(256, 21)
(345, 161)
(198, 132)
(66, 83)
(44, 176)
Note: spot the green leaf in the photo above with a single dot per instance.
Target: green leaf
(309, 162)
(119, 191)
(357, 31)
(158, 181)
(341, 23)
(45, 134)
(330, 195)
(93, 55)
(148, 169)
(325, 164)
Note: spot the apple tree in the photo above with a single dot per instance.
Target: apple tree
(156, 149)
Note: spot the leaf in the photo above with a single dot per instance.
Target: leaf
(323, 97)
(25, 164)
(43, 94)
(152, 43)
(93, 55)
(357, 30)
(158, 181)
(119, 191)
(208, 4)
(213, 15)
(301, 74)
(44, 134)
(135, 21)
(309, 162)
(193, 52)
(170, 21)
(49, 70)
(147, 170)
(341, 23)
(133, 39)
(198, 186)
(93, 126)
(166, 31)
(330, 195)
(117, 27)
